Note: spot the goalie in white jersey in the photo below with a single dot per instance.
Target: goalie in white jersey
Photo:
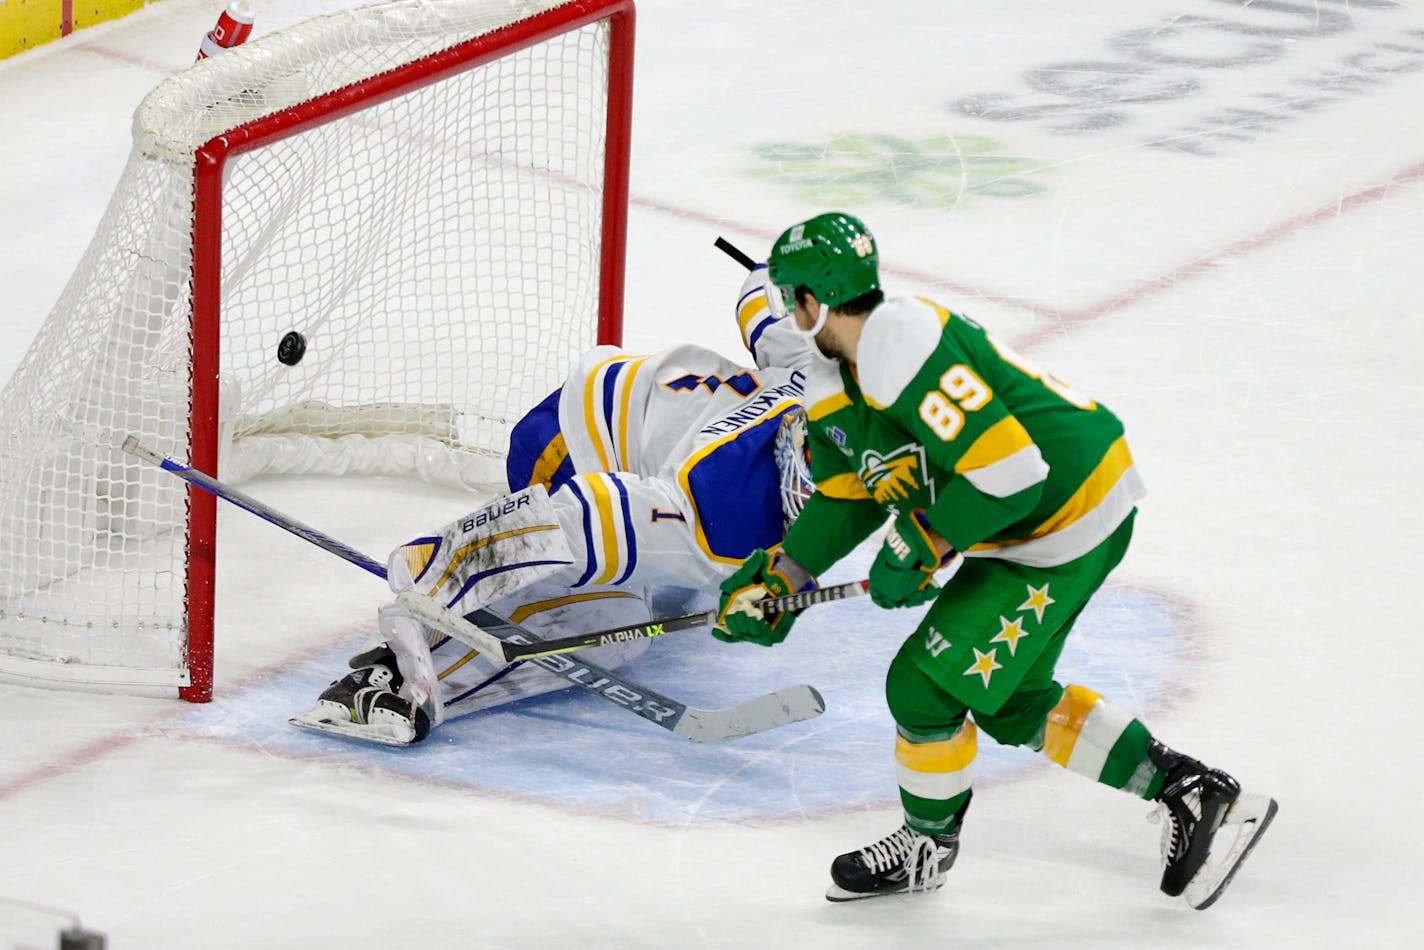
(638, 486)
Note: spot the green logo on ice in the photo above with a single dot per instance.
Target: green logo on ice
(856, 168)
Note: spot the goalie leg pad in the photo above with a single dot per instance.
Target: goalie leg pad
(488, 554)
(547, 611)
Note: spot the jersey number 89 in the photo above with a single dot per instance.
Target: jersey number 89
(960, 391)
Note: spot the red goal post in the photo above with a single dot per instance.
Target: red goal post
(363, 244)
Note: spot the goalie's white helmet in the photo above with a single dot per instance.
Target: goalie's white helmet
(793, 462)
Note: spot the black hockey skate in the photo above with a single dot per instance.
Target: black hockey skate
(1209, 826)
(901, 862)
(366, 705)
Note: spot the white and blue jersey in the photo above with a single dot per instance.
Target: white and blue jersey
(661, 478)
(676, 442)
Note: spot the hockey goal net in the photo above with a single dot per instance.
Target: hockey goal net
(365, 243)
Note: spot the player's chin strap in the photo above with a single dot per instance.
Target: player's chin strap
(818, 326)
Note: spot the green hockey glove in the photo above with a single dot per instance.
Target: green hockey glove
(763, 574)
(903, 572)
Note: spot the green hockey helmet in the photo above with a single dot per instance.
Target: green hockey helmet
(834, 255)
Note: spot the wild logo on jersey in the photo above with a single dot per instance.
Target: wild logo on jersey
(894, 477)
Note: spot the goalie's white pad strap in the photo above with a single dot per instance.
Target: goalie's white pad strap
(406, 636)
(490, 553)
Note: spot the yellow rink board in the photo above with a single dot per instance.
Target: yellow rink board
(25, 24)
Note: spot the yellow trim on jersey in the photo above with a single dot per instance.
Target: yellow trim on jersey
(603, 500)
(461, 553)
(994, 444)
(528, 610)
(828, 405)
(549, 461)
(684, 475)
(1093, 490)
(951, 755)
(940, 312)
(1092, 493)
(591, 402)
(846, 486)
(633, 367)
(755, 304)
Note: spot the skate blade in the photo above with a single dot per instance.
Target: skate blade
(1209, 884)
(839, 895)
(353, 731)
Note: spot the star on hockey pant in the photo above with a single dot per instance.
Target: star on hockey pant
(1038, 601)
(984, 664)
(1010, 632)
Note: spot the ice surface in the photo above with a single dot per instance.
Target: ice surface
(1204, 213)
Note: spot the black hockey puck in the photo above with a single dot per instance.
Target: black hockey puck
(292, 348)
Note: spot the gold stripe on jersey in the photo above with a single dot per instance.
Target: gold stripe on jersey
(1003, 461)
(624, 465)
(591, 402)
(549, 461)
(754, 306)
(847, 486)
(1112, 486)
(828, 405)
(940, 312)
(996, 443)
(937, 770)
(1093, 491)
(603, 501)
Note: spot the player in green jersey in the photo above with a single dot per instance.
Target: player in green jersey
(982, 461)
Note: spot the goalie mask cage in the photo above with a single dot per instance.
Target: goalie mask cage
(367, 243)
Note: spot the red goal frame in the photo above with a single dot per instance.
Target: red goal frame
(205, 289)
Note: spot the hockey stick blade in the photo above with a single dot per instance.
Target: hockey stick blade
(780, 708)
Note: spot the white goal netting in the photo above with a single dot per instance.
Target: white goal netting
(401, 251)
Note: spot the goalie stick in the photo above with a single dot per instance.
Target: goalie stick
(452, 624)
(778, 708)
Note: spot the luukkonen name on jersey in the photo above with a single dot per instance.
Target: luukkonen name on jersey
(765, 401)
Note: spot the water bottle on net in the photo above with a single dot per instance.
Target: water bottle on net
(233, 28)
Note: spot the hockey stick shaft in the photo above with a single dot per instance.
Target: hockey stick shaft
(784, 706)
(415, 603)
(246, 502)
(735, 253)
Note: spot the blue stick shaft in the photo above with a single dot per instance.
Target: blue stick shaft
(246, 502)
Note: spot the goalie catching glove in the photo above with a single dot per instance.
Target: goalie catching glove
(763, 574)
(904, 570)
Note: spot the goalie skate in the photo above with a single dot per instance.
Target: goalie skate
(365, 705)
